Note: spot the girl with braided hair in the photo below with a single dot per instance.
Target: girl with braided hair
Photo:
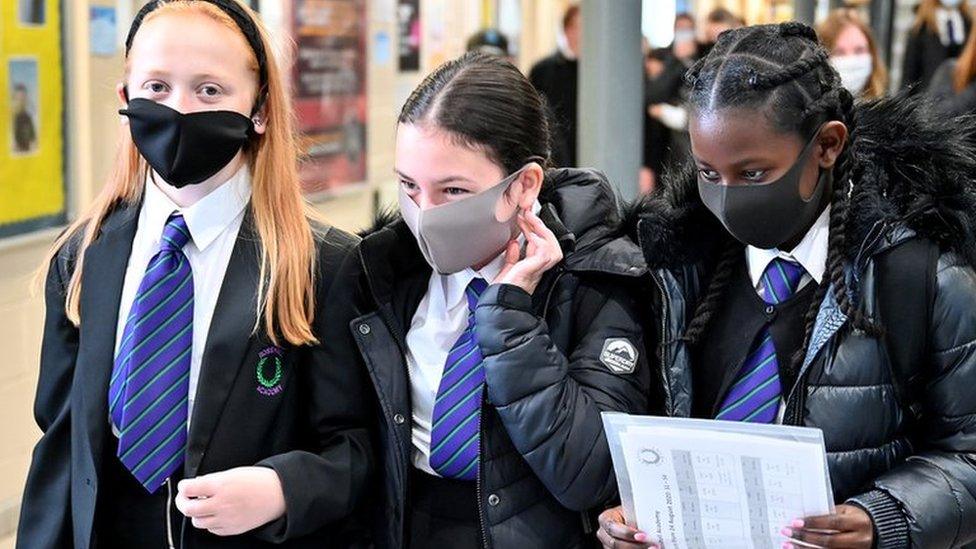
(814, 266)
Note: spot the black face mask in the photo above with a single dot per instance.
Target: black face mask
(185, 149)
(768, 215)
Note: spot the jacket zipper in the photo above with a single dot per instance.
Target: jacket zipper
(168, 509)
(478, 493)
(665, 367)
(485, 542)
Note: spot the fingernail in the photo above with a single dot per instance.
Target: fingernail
(640, 536)
(786, 532)
(797, 523)
(787, 545)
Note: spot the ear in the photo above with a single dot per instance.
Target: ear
(123, 96)
(526, 188)
(830, 143)
(260, 119)
(121, 92)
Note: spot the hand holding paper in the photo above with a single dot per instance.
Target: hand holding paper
(700, 483)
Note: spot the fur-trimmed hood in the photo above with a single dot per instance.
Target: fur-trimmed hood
(913, 166)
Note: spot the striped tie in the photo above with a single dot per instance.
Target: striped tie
(756, 393)
(150, 379)
(454, 444)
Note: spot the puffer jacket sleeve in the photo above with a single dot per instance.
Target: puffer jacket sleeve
(550, 402)
(930, 500)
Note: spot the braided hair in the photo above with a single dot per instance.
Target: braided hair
(780, 71)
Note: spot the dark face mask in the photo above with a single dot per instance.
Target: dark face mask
(768, 215)
(185, 149)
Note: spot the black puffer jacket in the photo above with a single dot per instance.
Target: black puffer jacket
(917, 182)
(549, 366)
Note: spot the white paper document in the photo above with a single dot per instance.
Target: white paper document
(701, 484)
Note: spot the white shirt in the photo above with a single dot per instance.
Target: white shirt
(810, 253)
(943, 16)
(214, 222)
(439, 321)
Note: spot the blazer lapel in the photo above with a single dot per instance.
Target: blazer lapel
(227, 342)
(103, 274)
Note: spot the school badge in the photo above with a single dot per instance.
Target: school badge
(269, 371)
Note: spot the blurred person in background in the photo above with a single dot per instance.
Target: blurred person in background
(664, 96)
(854, 53)
(657, 136)
(492, 42)
(685, 45)
(718, 21)
(556, 77)
(939, 33)
(954, 85)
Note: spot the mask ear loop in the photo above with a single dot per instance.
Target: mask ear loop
(259, 104)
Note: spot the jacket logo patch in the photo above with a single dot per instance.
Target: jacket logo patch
(269, 371)
(619, 355)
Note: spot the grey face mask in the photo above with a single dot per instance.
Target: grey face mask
(457, 235)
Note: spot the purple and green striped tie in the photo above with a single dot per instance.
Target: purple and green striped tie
(454, 437)
(149, 388)
(756, 392)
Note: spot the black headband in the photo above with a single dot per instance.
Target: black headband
(235, 12)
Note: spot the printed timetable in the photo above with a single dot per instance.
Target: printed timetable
(703, 484)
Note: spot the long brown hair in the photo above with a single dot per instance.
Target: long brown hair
(925, 15)
(286, 293)
(836, 23)
(965, 65)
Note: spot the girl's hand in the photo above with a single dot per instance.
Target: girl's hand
(849, 527)
(232, 502)
(542, 252)
(615, 534)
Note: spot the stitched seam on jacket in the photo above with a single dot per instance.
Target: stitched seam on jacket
(961, 346)
(952, 491)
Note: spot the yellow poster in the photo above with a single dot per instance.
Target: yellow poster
(31, 99)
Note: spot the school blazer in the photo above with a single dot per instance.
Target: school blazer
(308, 425)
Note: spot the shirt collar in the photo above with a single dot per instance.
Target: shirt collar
(810, 253)
(206, 218)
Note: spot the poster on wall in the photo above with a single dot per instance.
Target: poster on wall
(329, 91)
(103, 31)
(32, 192)
(408, 25)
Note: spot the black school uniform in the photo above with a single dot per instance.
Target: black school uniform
(310, 429)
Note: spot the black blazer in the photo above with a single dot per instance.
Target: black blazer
(310, 428)
(924, 53)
